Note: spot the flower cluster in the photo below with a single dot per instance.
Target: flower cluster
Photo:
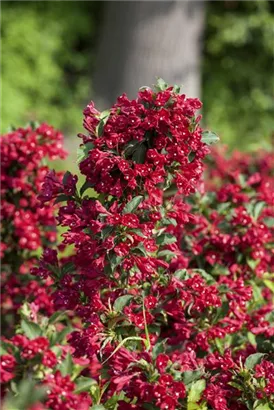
(233, 228)
(165, 302)
(144, 145)
(50, 362)
(25, 226)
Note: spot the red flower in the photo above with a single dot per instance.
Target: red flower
(8, 364)
(161, 362)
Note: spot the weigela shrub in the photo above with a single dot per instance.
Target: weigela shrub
(234, 218)
(39, 350)
(25, 226)
(150, 325)
(231, 238)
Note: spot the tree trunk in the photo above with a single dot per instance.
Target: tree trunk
(142, 40)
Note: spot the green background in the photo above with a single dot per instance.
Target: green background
(48, 56)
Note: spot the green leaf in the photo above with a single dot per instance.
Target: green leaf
(257, 291)
(115, 260)
(158, 348)
(269, 221)
(190, 376)
(58, 337)
(196, 391)
(265, 345)
(68, 267)
(112, 402)
(121, 302)
(66, 366)
(191, 156)
(219, 344)
(224, 206)
(249, 207)
(169, 221)
(269, 284)
(262, 407)
(195, 406)
(84, 384)
(166, 252)
(209, 138)
(131, 148)
(249, 404)
(270, 317)
(83, 150)
(176, 89)
(236, 385)
(33, 125)
(258, 207)
(28, 394)
(106, 232)
(251, 338)
(181, 274)
(57, 317)
(242, 180)
(165, 239)
(100, 128)
(132, 205)
(161, 85)
(149, 406)
(221, 312)
(3, 350)
(138, 232)
(98, 407)
(105, 114)
(140, 248)
(31, 329)
(86, 186)
(103, 120)
(62, 198)
(67, 174)
(253, 359)
(107, 340)
(208, 278)
(252, 263)
(139, 154)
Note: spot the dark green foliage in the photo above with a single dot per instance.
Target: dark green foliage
(47, 57)
(238, 71)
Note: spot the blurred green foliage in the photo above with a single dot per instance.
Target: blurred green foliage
(48, 52)
(47, 56)
(238, 72)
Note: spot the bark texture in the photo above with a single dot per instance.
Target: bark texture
(142, 40)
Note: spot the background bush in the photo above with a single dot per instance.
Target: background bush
(237, 74)
(47, 57)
